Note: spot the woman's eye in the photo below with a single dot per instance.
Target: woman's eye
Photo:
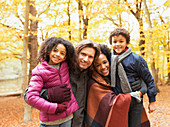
(105, 62)
(62, 53)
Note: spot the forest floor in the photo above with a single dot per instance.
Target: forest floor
(12, 111)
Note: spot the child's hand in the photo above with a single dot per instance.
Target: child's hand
(61, 107)
(152, 107)
(63, 93)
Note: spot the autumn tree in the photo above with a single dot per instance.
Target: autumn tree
(11, 31)
(27, 110)
(154, 72)
(137, 12)
(33, 44)
(69, 18)
(165, 41)
(115, 12)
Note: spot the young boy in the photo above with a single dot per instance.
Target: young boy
(127, 68)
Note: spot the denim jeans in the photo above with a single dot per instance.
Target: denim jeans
(65, 124)
(135, 113)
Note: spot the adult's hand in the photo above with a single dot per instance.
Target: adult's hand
(152, 107)
(59, 93)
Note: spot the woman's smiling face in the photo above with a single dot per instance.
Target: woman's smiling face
(102, 65)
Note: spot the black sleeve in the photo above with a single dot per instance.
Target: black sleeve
(43, 94)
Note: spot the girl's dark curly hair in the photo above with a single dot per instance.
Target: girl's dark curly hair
(52, 42)
(120, 31)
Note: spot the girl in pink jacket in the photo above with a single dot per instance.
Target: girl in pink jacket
(56, 57)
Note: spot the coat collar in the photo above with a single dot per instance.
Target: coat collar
(99, 79)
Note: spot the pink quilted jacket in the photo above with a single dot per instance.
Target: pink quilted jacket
(45, 76)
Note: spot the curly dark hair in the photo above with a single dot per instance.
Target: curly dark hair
(120, 31)
(52, 42)
(105, 50)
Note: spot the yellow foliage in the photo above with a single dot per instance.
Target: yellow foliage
(54, 22)
(167, 3)
(33, 18)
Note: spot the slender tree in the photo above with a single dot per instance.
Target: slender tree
(138, 15)
(27, 111)
(69, 18)
(167, 47)
(33, 47)
(33, 43)
(80, 11)
(153, 69)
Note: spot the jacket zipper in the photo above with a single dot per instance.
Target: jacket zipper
(62, 83)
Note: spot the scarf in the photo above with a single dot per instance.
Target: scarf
(116, 64)
(104, 108)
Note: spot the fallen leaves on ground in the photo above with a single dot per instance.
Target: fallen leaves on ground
(161, 116)
(12, 111)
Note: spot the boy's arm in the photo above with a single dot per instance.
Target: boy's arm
(139, 85)
(145, 74)
(148, 79)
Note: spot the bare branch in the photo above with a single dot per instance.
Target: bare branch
(4, 25)
(130, 8)
(161, 17)
(111, 20)
(44, 10)
(17, 15)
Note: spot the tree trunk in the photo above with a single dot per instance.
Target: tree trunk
(137, 15)
(120, 18)
(142, 41)
(69, 19)
(27, 109)
(33, 47)
(33, 40)
(80, 10)
(167, 47)
(168, 61)
(154, 73)
(142, 34)
(85, 21)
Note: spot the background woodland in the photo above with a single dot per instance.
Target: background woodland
(24, 25)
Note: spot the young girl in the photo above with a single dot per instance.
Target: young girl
(56, 56)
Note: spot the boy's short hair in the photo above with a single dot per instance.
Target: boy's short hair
(120, 31)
